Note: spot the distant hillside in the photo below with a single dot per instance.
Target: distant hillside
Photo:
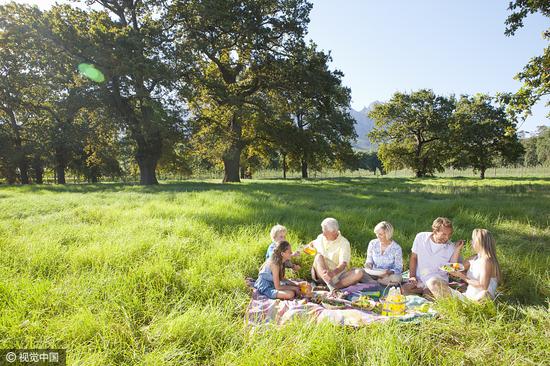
(363, 126)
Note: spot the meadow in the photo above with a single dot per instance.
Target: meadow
(130, 275)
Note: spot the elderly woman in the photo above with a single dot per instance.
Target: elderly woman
(333, 257)
(384, 255)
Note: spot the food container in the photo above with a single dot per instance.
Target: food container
(394, 305)
(310, 250)
(305, 289)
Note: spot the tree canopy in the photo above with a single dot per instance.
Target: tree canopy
(535, 76)
(412, 130)
(156, 86)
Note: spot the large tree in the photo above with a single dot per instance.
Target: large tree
(413, 131)
(235, 44)
(535, 76)
(20, 70)
(482, 136)
(317, 104)
(41, 81)
(131, 46)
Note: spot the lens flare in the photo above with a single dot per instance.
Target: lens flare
(91, 72)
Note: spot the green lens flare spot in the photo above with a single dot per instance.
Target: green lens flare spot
(91, 72)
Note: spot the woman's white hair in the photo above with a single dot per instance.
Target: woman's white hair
(386, 227)
(276, 230)
(330, 224)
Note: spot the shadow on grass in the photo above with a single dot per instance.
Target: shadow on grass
(301, 205)
(374, 185)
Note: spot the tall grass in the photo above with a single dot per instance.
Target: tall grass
(124, 275)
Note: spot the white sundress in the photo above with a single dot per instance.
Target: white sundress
(474, 272)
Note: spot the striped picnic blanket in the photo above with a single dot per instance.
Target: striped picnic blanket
(263, 310)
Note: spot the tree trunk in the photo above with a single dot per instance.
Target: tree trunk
(418, 150)
(147, 169)
(231, 165)
(232, 156)
(482, 173)
(24, 170)
(299, 121)
(21, 159)
(143, 130)
(284, 166)
(304, 169)
(60, 172)
(38, 171)
(60, 165)
(148, 153)
(242, 172)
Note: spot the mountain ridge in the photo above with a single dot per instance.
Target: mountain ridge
(363, 125)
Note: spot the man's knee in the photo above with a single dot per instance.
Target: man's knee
(317, 262)
(410, 288)
(358, 274)
(365, 278)
(435, 282)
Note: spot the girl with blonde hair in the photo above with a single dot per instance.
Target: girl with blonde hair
(481, 271)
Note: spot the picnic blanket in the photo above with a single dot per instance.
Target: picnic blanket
(263, 310)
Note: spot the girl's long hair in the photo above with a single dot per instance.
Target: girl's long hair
(277, 256)
(487, 242)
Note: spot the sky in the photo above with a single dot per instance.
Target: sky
(451, 47)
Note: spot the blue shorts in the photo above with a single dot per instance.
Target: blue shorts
(266, 288)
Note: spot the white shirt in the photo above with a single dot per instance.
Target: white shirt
(334, 251)
(431, 256)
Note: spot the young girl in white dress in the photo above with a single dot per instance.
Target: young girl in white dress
(482, 270)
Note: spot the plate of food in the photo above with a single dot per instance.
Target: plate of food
(375, 272)
(452, 267)
(334, 304)
(364, 302)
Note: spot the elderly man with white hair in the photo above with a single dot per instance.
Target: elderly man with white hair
(333, 257)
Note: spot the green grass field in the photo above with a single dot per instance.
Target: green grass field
(125, 275)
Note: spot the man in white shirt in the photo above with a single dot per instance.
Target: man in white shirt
(333, 257)
(430, 251)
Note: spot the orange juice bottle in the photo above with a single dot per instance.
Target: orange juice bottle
(305, 289)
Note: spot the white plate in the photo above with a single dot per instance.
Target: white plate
(375, 272)
(461, 267)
